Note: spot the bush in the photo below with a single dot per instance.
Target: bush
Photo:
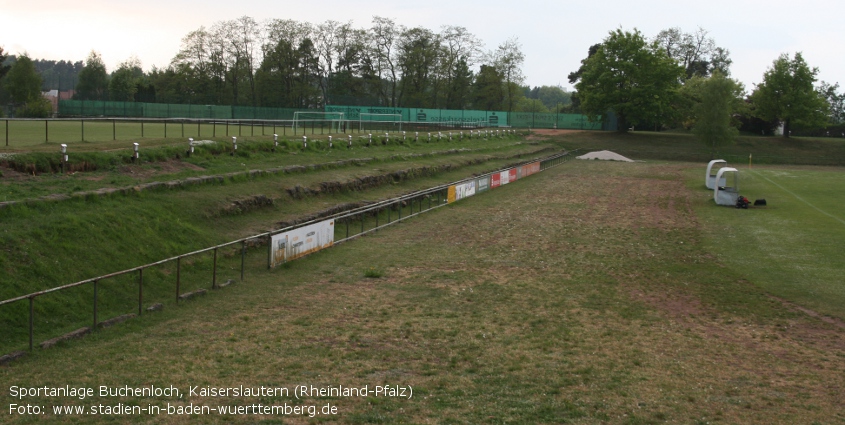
(36, 108)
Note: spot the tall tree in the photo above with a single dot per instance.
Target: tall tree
(326, 39)
(720, 98)
(488, 90)
(93, 80)
(508, 59)
(380, 63)
(787, 94)
(457, 45)
(417, 57)
(461, 85)
(634, 79)
(347, 84)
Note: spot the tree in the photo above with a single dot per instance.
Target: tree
(575, 76)
(124, 82)
(836, 102)
(460, 50)
(634, 79)
(22, 81)
(553, 98)
(696, 52)
(720, 98)
(381, 67)
(508, 59)
(93, 80)
(459, 91)
(787, 95)
(3, 67)
(488, 90)
(417, 57)
(23, 84)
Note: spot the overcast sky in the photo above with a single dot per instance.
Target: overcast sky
(554, 35)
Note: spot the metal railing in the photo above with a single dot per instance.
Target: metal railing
(372, 217)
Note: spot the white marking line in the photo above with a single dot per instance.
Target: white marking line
(799, 198)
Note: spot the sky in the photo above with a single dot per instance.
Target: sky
(555, 35)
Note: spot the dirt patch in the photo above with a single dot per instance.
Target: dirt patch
(9, 174)
(546, 133)
(795, 307)
(164, 167)
(554, 132)
(245, 205)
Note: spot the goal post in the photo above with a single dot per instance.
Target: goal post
(332, 120)
(380, 121)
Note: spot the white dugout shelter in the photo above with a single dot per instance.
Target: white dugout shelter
(712, 170)
(724, 194)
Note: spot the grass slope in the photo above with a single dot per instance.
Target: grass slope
(49, 244)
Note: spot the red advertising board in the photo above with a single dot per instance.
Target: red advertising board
(495, 180)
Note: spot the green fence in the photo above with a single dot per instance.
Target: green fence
(545, 120)
(89, 108)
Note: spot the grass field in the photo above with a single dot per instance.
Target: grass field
(792, 247)
(594, 292)
(585, 294)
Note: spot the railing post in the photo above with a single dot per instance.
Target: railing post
(214, 273)
(31, 320)
(95, 306)
(178, 277)
(140, 290)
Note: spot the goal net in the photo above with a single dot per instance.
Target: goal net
(385, 122)
(331, 120)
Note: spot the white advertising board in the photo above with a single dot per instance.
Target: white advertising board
(299, 242)
(464, 190)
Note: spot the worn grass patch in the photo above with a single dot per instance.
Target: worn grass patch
(583, 294)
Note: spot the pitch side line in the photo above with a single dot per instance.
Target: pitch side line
(800, 198)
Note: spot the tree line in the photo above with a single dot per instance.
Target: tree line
(682, 80)
(287, 63)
